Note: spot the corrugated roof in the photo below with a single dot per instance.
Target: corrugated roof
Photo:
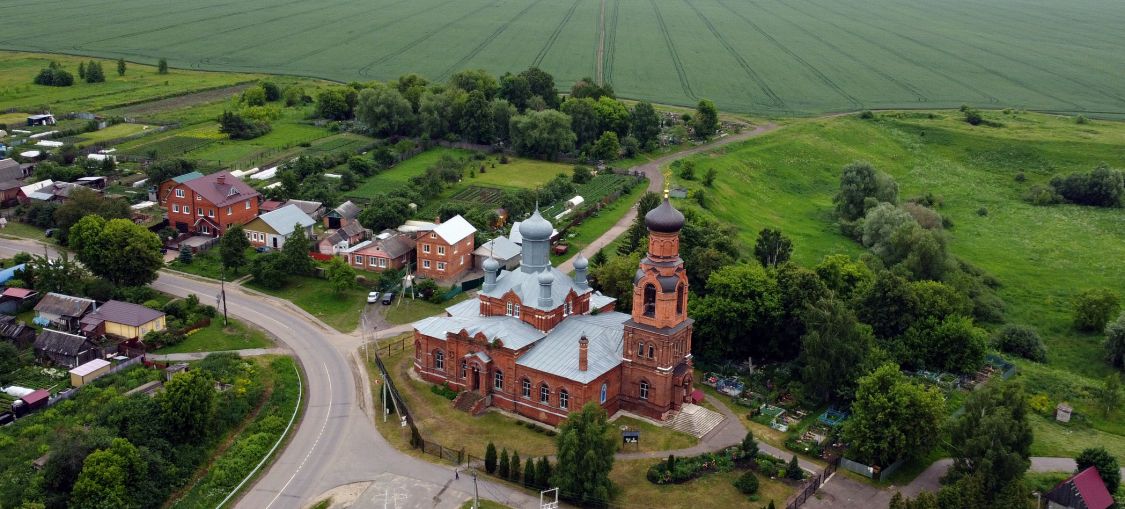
(511, 332)
(36, 396)
(347, 210)
(31, 188)
(598, 301)
(126, 313)
(230, 191)
(455, 229)
(63, 305)
(308, 207)
(187, 177)
(58, 342)
(89, 367)
(500, 248)
(283, 219)
(352, 229)
(9, 273)
(10, 169)
(1089, 487)
(466, 309)
(526, 287)
(557, 352)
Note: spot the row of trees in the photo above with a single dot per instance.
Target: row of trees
(90, 72)
(1100, 187)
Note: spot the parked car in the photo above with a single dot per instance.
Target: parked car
(49, 232)
(372, 297)
(388, 298)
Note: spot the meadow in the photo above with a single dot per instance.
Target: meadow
(1042, 255)
(761, 56)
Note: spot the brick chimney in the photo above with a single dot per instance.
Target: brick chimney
(583, 347)
(222, 179)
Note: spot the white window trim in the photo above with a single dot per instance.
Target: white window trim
(441, 250)
(441, 266)
(230, 210)
(247, 204)
(175, 208)
(179, 193)
(425, 248)
(425, 264)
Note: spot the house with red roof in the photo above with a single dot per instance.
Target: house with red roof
(210, 204)
(1084, 490)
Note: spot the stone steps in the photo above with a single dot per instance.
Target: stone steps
(466, 401)
(695, 420)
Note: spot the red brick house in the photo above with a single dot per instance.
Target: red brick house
(446, 252)
(532, 344)
(388, 250)
(165, 188)
(210, 204)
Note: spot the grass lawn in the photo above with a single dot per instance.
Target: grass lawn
(407, 310)
(654, 438)
(400, 173)
(113, 132)
(713, 490)
(23, 230)
(316, 296)
(216, 338)
(484, 504)
(209, 265)
(594, 226)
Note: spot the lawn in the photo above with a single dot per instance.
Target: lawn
(217, 338)
(23, 230)
(316, 296)
(580, 236)
(1041, 255)
(208, 264)
(140, 83)
(407, 310)
(713, 490)
(400, 173)
(113, 132)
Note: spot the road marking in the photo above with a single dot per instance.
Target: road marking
(317, 441)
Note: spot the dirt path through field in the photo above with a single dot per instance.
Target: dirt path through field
(599, 57)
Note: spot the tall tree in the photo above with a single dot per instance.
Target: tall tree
(834, 351)
(583, 120)
(542, 85)
(887, 305)
(478, 80)
(162, 66)
(615, 278)
(120, 66)
(476, 119)
(842, 275)
(340, 274)
(737, 317)
(516, 90)
(187, 405)
(543, 134)
(385, 111)
(705, 123)
(772, 248)
(1115, 342)
(118, 250)
(105, 476)
(585, 458)
(232, 248)
(296, 252)
(893, 417)
(991, 442)
(645, 125)
(83, 202)
(607, 148)
(1106, 464)
(332, 104)
(861, 188)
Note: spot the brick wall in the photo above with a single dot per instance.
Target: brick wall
(443, 261)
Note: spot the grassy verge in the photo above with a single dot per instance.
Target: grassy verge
(582, 235)
(484, 504)
(208, 264)
(256, 440)
(407, 310)
(340, 310)
(713, 490)
(22, 230)
(217, 338)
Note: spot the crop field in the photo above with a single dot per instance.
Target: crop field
(761, 56)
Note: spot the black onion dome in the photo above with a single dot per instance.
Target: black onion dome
(665, 218)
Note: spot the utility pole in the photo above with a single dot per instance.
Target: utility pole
(223, 291)
(476, 493)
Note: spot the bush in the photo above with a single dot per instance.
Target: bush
(747, 483)
(54, 77)
(1102, 187)
(490, 458)
(1081, 120)
(866, 115)
(1020, 340)
(1094, 307)
(983, 211)
(972, 116)
(444, 390)
(1042, 195)
(680, 470)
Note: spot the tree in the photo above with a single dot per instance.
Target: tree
(270, 270)
(747, 483)
(1109, 395)
(543, 473)
(529, 473)
(893, 417)
(475, 80)
(94, 72)
(1020, 340)
(295, 95)
(239, 127)
(296, 252)
(384, 212)
(542, 85)
(54, 77)
(612, 116)
(120, 66)
(1102, 187)
(271, 91)
(187, 404)
(514, 471)
(583, 115)
(503, 470)
(607, 148)
(706, 121)
(82, 70)
(585, 457)
(516, 90)
(106, 473)
(772, 248)
(254, 96)
(83, 202)
(887, 305)
(834, 351)
(645, 125)
(476, 119)
(1104, 462)
(543, 134)
(879, 225)
(615, 278)
(232, 248)
(709, 177)
(1115, 342)
(9, 361)
(991, 442)
(332, 104)
(953, 344)
(490, 458)
(118, 250)
(162, 66)
(581, 175)
(738, 315)
(749, 446)
(185, 255)
(861, 188)
(385, 111)
(340, 274)
(1094, 307)
(793, 470)
(842, 275)
(925, 500)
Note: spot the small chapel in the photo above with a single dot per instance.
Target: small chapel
(539, 343)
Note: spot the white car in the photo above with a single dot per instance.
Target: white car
(372, 297)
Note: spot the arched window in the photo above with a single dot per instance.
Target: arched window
(679, 299)
(498, 380)
(650, 300)
(439, 360)
(564, 399)
(641, 349)
(526, 387)
(644, 389)
(544, 394)
(417, 350)
(605, 389)
(651, 350)
(464, 368)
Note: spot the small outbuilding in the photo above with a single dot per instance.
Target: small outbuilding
(506, 252)
(124, 320)
(1084, 490)
(339, 217)
(1062, 412)
(89, 372)
(42, 119)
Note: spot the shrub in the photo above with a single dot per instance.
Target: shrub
(1020, 340)
(972, 116)
(747, 483)
(866, 115)
(983, 211)
(1102, 187)
(1094, 307)
(444, 390)
(1081, 120)
(490, 458)
(1020, 177)
(502, 468)
(793, 471)
(1042, 195)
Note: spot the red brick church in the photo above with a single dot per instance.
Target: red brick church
(540, 343)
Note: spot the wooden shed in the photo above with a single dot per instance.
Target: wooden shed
(89, 372)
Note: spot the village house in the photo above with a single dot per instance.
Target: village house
(11, 170)
(388, 250)
(64, 349)
(52, 192)
(62, 312)
(122, 320)
(19, 333)
(25, 192)
(1084, 490)
(10, 192)
(340, 239)
(273, 228)
(314, 209)
(539, 343)
(446, 252)
(15, 300)
(210, 204)
(339, 217)
(41, 119)
(165, 188)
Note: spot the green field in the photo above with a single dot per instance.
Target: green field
(1042, 256)
(766, 56)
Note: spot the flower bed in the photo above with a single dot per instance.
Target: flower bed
(680, 470)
